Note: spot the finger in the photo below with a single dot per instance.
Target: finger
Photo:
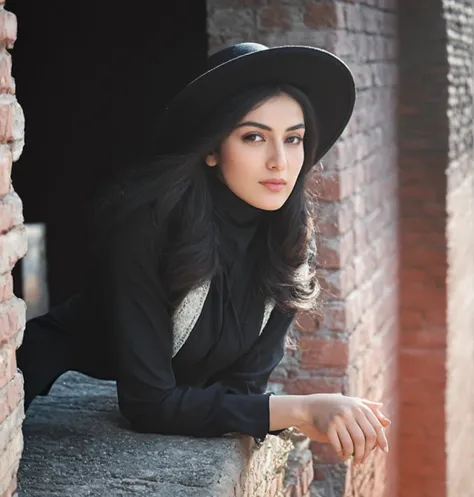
(334, 439)
(344, 437)
(371, 402)
(382, 418)
(375, 407)
(358, 439)
(369, 433)
(385, 421)
(381, 438)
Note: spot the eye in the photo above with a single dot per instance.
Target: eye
(294, 140)
(253, 138)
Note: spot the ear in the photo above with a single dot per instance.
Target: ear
(211, 159)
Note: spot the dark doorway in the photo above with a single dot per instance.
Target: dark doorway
(91, 80)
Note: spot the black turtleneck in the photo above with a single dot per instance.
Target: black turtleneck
(237, 220)
(119, 328)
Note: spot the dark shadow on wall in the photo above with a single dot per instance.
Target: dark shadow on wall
(91, 81)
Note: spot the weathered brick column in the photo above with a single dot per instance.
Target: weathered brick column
(459, 17)
(352, 346)
(437, 248)
(12, 248)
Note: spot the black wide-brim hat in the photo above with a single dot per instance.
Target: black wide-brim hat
(323, 77)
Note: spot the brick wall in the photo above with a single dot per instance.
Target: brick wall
(358, 249)
(423, 132)
(437, 247)
(352, 347)
(459, 20)
(12, 248)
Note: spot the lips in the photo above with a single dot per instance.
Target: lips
(274, 185)
(273, 182)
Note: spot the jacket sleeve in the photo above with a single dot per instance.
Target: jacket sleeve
(250, 373)
(134, 303)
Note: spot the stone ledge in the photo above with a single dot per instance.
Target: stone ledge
(77, 444)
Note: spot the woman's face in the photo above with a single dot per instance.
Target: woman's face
(262, 157)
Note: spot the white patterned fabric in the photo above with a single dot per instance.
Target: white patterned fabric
(269, 306)
(188, 312)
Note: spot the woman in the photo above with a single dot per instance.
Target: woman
(203, 257)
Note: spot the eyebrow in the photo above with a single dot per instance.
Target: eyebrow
(267, 128)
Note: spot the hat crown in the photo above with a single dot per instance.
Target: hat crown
(232, 52)
(323, 77)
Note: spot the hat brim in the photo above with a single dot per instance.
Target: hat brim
(323, 77)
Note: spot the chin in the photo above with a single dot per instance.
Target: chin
(270, 204)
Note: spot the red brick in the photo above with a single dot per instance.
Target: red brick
(307, 322)
(307, 477)
(7, 114)
(8, 27)
(12, 488)
(11, 395)
(328, 253)
(331, 284)
(317, 353)
(354, 309)
(305, 386)
(11, 212)
(423, 364)
(6, 287)
(12, 318)
(418, 192)
(334, 316)
(335, 252)
(5, 170)
(324, 453)
(422, 240)
(423, 391)
(6, 80)
(275, 17)
(7, 364)
(9, 460)
(15, 392)
(327, 186)
(421, 426)
(412, 320)
(413, 274)
(424, 297)
(322, 15)
(335, 218)
(423, 338)
(352, 16)
(13, 246)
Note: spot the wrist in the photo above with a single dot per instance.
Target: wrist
(287, 411)
(302, 411)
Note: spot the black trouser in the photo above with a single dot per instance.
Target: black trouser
(49, 351)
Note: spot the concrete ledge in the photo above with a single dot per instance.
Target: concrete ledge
(76, 444)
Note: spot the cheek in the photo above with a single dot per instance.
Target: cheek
(236, 161)
(296, 164)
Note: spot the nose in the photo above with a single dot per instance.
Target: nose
(277, 158)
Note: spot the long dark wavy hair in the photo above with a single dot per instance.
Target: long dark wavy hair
(178, 186)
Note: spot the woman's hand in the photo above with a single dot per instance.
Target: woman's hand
(353, 426)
